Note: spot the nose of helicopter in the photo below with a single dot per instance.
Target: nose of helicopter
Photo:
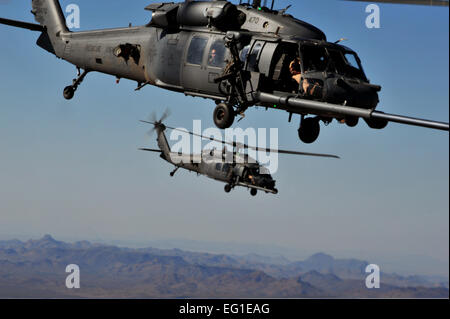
(352, 92)
(270, 183)
(266, 181)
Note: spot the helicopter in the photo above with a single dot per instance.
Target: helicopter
(234, 168)
(238, 55)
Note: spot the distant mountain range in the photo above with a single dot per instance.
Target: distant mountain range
(36, 269)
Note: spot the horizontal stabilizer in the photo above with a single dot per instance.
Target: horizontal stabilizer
(23, 25)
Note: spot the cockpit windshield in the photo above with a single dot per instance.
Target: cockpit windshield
(316, 58)
(346, 63)
(264, 170)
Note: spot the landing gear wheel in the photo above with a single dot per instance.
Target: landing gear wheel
(377, 124)
(351, 121)
(309, 130)
(69, 92)
(172, 174)
(224, 116)
(227, 188)
(253, 192)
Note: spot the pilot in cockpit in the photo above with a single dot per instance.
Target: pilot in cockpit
(213, 57)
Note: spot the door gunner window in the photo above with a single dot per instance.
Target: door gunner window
(196, 49)
(217, 54)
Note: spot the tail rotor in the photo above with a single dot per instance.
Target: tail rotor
(157, 124)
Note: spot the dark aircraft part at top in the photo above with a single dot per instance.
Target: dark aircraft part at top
(237, 55)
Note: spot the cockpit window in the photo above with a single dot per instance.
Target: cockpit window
(351, 60)
(347, 64)
(319, 59)
(196, 49)
(315, 58)
(264, 170)
(217, 54)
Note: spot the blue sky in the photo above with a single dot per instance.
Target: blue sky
(72, 169)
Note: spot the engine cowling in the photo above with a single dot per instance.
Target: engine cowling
(219, 14)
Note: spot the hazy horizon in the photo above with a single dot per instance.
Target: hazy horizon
(392, 264)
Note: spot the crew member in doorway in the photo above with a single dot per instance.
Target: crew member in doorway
(296, 73)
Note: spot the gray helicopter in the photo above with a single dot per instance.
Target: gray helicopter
(239, 55)
(233, 168)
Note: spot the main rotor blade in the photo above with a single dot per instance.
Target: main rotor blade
(244, 146)
(150, 150)
(198, 135)
(268, 150)
(442, 3)
(23, 25)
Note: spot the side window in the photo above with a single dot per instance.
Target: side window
(226, 168)
(196, 49)
(217, 54)
(253, 57)
(218, 166)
